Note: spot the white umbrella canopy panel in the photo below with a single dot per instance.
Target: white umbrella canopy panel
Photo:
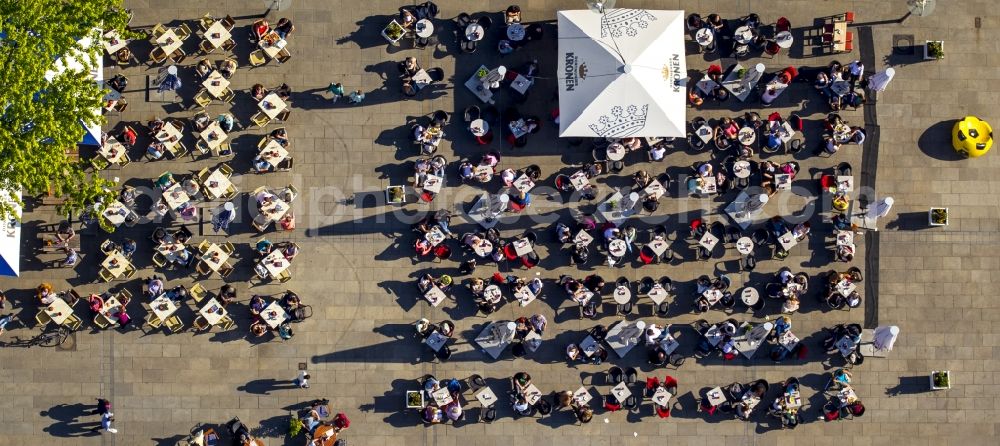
(622, 73)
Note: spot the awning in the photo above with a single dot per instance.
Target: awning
(10, 238)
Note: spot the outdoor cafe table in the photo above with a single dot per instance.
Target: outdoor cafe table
(214, 263)
(421, 79)
(532, 341)
(783, 129)
(169, 41)
(271, 105)
(532, 394)
(662, 397)
(479, 127)
(788, 340)
(777, 86)
(783, 181)
(712, 295)
(492, 294)
(707, 86)
(617, 247)
(518, 128)
(622, 295)
(589, 346)
(792, 400)
(273, 315)
(840, 87)
(175, 197)
(616, 151)
(750, 296)
(435, 236)
(657, 294)
(524, 184)
(522, 247)
(747, 136)
(163, 307)
(714, 335)
(58, 310)
(442, 396)
(845, 238)
(582, 396)
(744, 245)
(515, 32)
(707, 186)
(751, 339)
(212, 311)
(704, 133)
(116, 263)
(276, 263)
(424, 28)
(115, 213)
(743, 34)
(271, 43)
(496, 337)
(217, 34)
(474, 32)
(668, 343)
(741, 169)
(216, 84)
(521, 84)
(784, 39)
(624, 335)
(217, 184)
(112, 150)
(325, 434)
(486, 397)
(655, 189)
(621, 391)
(708, 241)
(169, 248)
(113, 42)
(109, 305)
(658, 246)
(476, 86)
(741, 87)
(433, 183)
(845, 287)
(704, 36)
(582, 238)
(436, 340)
(525, 296)
(483, 248)
(273, 152)
(788, 240)
(434, 295)
(169, 135)
(579, 180)
(274, 210)
(716, 397)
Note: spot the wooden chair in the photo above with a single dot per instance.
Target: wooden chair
(226, 269)
(227, 95)
(182, 31)
(198, 292)
(203, 175)
(73, 322)
(283, 55)
(226, 322)
(293, 190)
(124, 296)
(226, 170)
(124, 160)
(178, 56)
(203, 98)
(152, 321)
(228, 45)
(101, 321)
(285, 165)
(285, 276)
(203, 246)
(42, 318)
(229, 22)
(157, 55)
(99, 163)
(206, 22)
(129, 272)
(106, 275)
(258, 58)
(200, 323)
(202, 147)
(174, 324)
(260, 226)
(178, 150)
(206, 47)
(155, 33)
(159, 259)
(228, 248)
(260, 119)
(283, 116)
(203, 268)
(230, 193)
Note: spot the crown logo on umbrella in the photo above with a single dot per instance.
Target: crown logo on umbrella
(622, 122)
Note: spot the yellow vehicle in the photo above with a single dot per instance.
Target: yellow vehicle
(972, 136)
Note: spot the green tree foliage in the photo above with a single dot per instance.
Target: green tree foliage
(39, 119)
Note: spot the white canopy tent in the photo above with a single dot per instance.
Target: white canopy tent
(622, 73)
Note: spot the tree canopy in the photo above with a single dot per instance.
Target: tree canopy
(40, 119)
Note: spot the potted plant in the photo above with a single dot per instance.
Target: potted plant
(393, 32)
(938, 217)
(940, 380)
(295, 426)
(395, 194)
(933, 49)
(414, 399)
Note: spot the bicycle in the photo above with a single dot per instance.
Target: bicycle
(50, 339)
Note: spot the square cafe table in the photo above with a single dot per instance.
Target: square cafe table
(273, 315)
(169, 249)
(589, 346)
(169, 135)
(163, 307)
(716, 397)
(621, 392)
(115, 213)
(658, 246)
(215, 264)
(273, 152)
(217, 34)
(276, 263)
(421, 79)
(271, 43)
(475, 85)
(521, 84)
(213, 135)
(657, 294)
(276, 209)
(582, 238)
(169, 41)
(435, 296)
(788, 241)
(212, 311)
(662, 397)
(655, 189)
(435, 236)
(110, 304)
(486, 397)
(119, 269)
(524, 184)
(442, 396)
(846, 287)
(788, 340)
(175, 196)
(579, 180)
(522, 247)
(582, 396)
(436, 340)
(216, 184)
(708, 241)
(668, 343)
(271, 105)
(58, 311)
(783, 181)
(113, 42)
(525, 296)
(112, 150)
(532, 394)
(433, 183)
(215, 84)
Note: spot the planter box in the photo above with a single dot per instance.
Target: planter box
(930, 217)
(947, 374)
(418, 399)
(927, 55)
(393, 28)
(395, 195)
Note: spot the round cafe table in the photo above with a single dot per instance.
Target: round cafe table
(617, 247)
(784, 39)
(744, 246)
(515, 32)
(743, 34)
(741, 169)
(479, 127)
(704, 36)
(747, 136)
(424, 28)
(616, 151)
(622, 295)
(750, 296)
(325, 435)
(492, 294)
(474, 32)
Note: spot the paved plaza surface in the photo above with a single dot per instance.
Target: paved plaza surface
(357, 270)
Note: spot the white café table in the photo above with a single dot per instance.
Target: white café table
(271, 105)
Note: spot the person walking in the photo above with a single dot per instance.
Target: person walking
(106, 419)
(337, 90)
(356, 97)
(103, 407)
(303, 379)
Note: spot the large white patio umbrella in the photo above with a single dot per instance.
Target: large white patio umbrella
(621, 73)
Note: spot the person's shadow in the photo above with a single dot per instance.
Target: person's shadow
(67, 424)
(267, 385)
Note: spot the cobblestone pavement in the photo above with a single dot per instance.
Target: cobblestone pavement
(357, 272)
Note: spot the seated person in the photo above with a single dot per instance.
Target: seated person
(118, 83)
(287, 222)
(857, 136)
(65, 232)
(290, 302)
(156, 150)
(258, 328)
(281, 136)
(407, 18)
(203, 69)
(201, 121)
(154, 287)
(694, 97)
(128, 137)
(432, 415)
(257, 304)
(512, 15)
(290, 250)
(769, 95)
(284, 27)
(226, 122)
(465, 171)
(227, 68)
(260, 27)
(263, 247)
(284, 91)
(801, 230)
(657, 152)
(258, 91)
(95, 303)
(262, 165)
(409, 67)
(155, 126)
